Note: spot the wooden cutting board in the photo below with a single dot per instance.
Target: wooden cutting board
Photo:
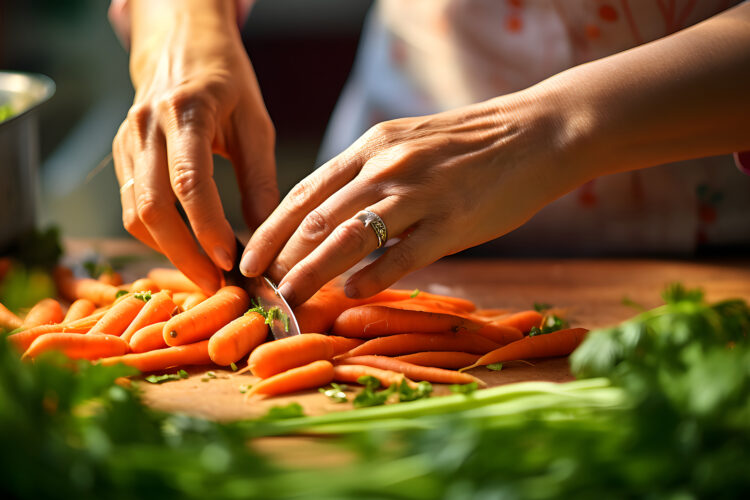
(592, 291)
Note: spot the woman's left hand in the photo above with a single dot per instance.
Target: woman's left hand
(441, 183)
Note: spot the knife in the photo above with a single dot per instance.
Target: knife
(262, 290)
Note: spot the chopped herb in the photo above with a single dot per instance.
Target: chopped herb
(271, 315)
(534, 331)
(158, 379)
(120, 293)
(208, 376)
(463, 388)
(542, 306)
(233, 367)
(406, 393)
(145, 296)
(292, 410)
(244, 388)
(415, 293)
(369, 397)
(370, 382)
(495, 367)
(336, 392)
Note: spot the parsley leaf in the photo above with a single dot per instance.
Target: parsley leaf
(495, 367)
(336, 392)
(292, 410)
(158, 379)
(463, 388)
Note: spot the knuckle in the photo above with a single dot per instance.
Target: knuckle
(188, 108)
(352, 236)
(138, 119)
(314, 226)
(307, 274)
(186, 179)
(299, 195)
(401, 258)
(149, 208)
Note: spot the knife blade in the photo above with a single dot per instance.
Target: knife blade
(262, 289)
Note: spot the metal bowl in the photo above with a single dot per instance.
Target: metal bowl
(19, 151)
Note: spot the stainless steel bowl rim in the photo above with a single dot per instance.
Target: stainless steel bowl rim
(45, 90)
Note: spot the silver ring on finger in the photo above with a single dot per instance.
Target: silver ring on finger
(373, 220)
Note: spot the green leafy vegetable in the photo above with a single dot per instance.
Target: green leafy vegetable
(406, 393)
(337, 393)
(542, 306)
(233, 366)
(463, 388)
(292, 410)
(144, 296)
(120, 293)
(495, 367)
(414, 293)
(158, 379)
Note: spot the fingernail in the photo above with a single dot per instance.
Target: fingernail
(286, 291)
(350, 290)
(249, 264)
(222, 258)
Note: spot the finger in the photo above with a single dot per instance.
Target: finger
(155, 206)
(191, 177)
(124, 171)
(348, 244)
(270, 237)
(252, 153)
(320, 223)
(417, 249)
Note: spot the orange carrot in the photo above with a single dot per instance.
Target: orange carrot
(407, 343)
(158, 308)
(161, 359)
(110, 278)
(77, 346)
(237, 338)
(8, 320)
(549, 345)
(79, 309)
(203, 320)
(143, 285)
(344, 344)
(45, 312)
(193, 300)
(148, 338)
(369, 321)
(119, 316)
(72, 288)
(491, 314)
(523, 320)
(172, 279)
(309, 376)
(179, 298)
(22, 340)
(502, 334)
(441, 359)
(351, 373)
(412, 371)
(281, 355)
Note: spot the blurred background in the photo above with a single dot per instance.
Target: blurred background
(302, 52)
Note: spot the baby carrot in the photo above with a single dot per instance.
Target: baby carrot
(193, 300)
(8, 320)
(72, 288)
(172, 279)
(143, 285)
(502, 334)
(77, 346)
(351, 373)
(147, 338)
(369, 321)
(237, 338)
(309, 376)
(23, 339)
(549, 345)
(119, 316)
(79, 309)
(280, 355)
(344, 344)
(161, 359)
(158, 308)
(110, 278)
(45, 312)
(412, 371)
(407, 343)
(206, 318)
(523, 320)
(441, 359)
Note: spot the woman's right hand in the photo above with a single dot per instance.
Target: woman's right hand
(196, 94)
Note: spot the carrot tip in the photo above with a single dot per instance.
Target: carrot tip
(461, 370)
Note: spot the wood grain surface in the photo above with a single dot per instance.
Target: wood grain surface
(591, 290)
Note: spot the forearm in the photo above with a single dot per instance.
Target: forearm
(684, 96)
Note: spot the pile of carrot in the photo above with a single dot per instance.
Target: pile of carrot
(164, 321)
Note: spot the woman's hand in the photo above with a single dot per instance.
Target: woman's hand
(196, 94)
(443, 182)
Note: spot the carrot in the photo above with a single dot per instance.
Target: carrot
(8, 320)
(79, 309)
(441, 359)
(110, 278)
(344, 344)
(193, 300)
(143, 285)
(523, 320)
(369, 321)
(549, 345)
(351, 373)
(147, 338)
(393, 295)
(22, 340)
(77, 346)
(203, 320)
(309, 376)
(158, 308)
(491, 314)
(280, 355)
(119, 316)
(45, 312)
(161, 359)
(172, 279)
(237, 338)
(502, 334)
(72, 288)
(412, 371)
(407, 343)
